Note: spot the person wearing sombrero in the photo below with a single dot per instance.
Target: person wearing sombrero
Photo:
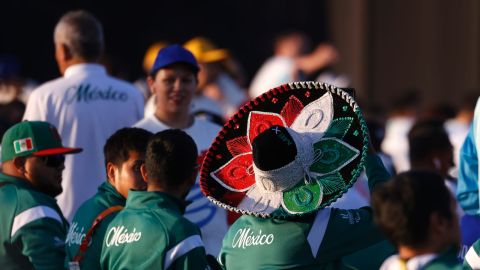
(281, 161)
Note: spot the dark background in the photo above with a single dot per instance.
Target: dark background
(244, 27)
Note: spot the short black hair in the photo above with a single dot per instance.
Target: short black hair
(171, 158)
(123, 141)
(425, 137)
(403, 206)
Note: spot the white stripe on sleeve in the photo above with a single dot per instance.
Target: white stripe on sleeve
(317, 232)
(181, 249)
(33, 214)
(472, 258)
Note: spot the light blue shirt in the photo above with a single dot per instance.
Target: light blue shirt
(467, 189)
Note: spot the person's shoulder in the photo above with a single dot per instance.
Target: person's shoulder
(30, 205)
(9, 196)
(451, 263)
(281, 60)
(28, 198)
(248, 221)
(123, 218)
(390, 263)
(91, 208)
(207, 124)
(149, 123)
(142, 122)
(181, 227)
(48, 87)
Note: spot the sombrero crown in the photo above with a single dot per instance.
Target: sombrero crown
(290, 151)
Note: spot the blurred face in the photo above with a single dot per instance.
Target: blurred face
(127, 176)
(174, 87)
(445, 232)
(45, 173)
(208, 73)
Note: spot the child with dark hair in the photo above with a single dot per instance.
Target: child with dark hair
(124, 153)
(171, 160)
(430, 149)
(416, 212)
(153, 220)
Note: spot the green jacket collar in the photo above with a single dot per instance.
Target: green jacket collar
(15, 181)
(154, 199)
(111, 193)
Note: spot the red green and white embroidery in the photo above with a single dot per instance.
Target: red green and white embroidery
(329, 131)
(304, 194)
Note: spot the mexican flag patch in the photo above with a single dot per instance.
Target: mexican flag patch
(22, 145)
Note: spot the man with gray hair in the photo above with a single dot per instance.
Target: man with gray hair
(86, 105)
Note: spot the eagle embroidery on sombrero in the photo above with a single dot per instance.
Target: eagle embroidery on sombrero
(291, 151)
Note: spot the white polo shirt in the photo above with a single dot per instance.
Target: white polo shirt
(87, 106)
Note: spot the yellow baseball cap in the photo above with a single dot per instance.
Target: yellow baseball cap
(151, 54)
(205, 51)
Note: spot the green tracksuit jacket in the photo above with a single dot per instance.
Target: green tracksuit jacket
(472, 258)
(106, 197)
(151, 233)
(32, 227)
(317, 241)
(447, 260)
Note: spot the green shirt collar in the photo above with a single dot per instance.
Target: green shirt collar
(111, 192)
(154, 199)
(15, 181)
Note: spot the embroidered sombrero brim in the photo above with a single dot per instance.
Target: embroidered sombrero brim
(320, 113)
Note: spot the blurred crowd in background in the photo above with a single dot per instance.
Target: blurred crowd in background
(406, 133)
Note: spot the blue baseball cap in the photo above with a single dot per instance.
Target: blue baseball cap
(173, 54)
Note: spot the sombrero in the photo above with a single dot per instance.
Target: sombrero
(330, 138)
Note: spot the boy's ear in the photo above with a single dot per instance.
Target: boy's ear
(143, 171)
(62, 52)
(19, 163)
(111, 172)
(150, 81)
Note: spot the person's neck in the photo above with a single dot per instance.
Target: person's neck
(175, 120)
(9, 169)
(464, 116)
(72, 62)
(427, 165)
(175, 193)
(406, 253)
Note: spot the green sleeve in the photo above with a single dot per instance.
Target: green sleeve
(221, 259)
(43, 242)
(472, 258)
(376, 172)
(348, 231)
(186, 250)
